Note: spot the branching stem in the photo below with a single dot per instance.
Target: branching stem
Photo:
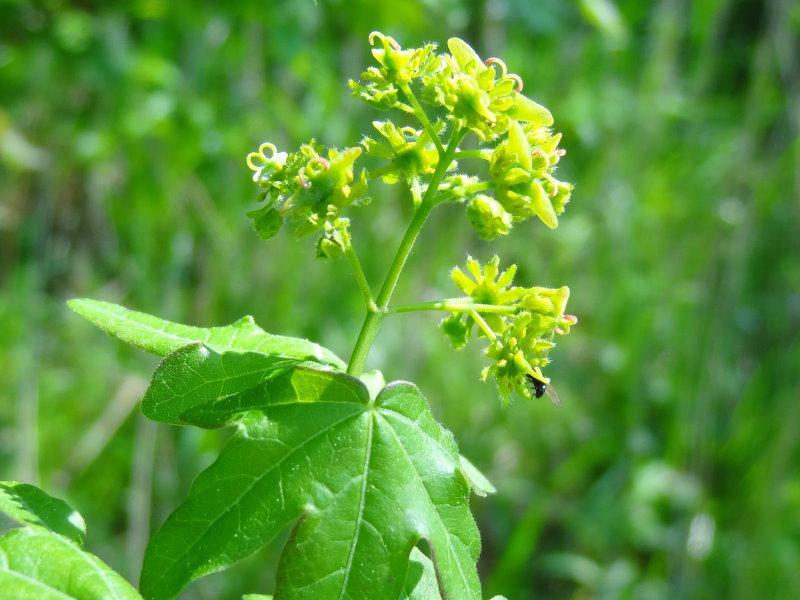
(464, 305)
(372, 321)
(470, 189)
(361, 278)
(423, 118)
(482, 324)
(473, 154)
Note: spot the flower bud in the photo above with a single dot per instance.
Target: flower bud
(488, 217)
(539, 162)
(542, 205)
(455, 329)
(391, 57)
(551, 302)
(410, 152)
(336, 238)
(458, 185)
(561, 197)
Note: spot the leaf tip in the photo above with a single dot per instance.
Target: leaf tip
(478, 482)
(77, 305)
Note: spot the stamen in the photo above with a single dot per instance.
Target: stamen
(272, 149)
(252, 157)
(516, 79)
(317, 160)
(493, 60)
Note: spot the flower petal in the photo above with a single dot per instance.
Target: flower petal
(531, 112)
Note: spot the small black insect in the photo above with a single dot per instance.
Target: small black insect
(540, 388)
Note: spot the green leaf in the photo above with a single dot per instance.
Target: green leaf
(195, 375)
(29, 505)
(267, 222)
(420, 583)
(479, 483)
(36, 564)
(363, 482)
(163, 337)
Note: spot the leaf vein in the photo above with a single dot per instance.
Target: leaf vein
(246, 491)
(361, 502)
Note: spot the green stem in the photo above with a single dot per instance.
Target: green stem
(372, 322)
(473, 154)
(423, 118)
(361, 278)
(470, 189)
(453, 305)
(482, 324)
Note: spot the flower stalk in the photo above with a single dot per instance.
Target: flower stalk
(372, 321)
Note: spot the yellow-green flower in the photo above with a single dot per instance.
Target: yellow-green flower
(410, 152)
(515, 354)
(488, 217)
(522, 175)
(482, 97)
(520, 336)
(265, 165)
(396, 67)
(488, 285)
(310, 188)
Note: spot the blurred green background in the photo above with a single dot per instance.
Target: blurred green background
(673, 470)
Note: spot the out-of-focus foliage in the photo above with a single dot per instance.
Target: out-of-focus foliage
(673, 468)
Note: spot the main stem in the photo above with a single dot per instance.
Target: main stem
(372, 322)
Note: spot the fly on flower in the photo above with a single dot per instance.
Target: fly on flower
(541, 388)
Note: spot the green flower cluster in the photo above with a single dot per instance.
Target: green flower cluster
(396, 68)
(481, 97)
(521, 336)
(442, 98)
(310, 188)
(477, 96)
(522, 168)
(410, 154)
